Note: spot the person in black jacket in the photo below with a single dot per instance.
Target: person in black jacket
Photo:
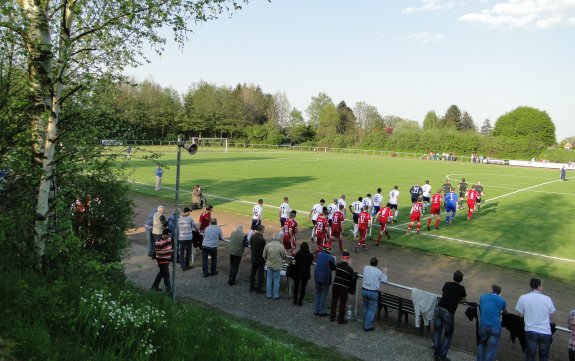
(303, 260)
(344, 275)
(257, 244)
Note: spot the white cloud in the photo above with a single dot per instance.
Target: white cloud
(432, 5)
(530, 14)
(426, 37)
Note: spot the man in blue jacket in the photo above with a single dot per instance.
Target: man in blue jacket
(324, 265)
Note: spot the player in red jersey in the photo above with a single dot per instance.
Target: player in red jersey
(472, 197)
(290, 229)
(363, 221)
(415, 216)
(205, 218)
(337, 226)
(385, 215)
(435, 209)
(321, 228)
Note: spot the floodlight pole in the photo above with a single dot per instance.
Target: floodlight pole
(176, 236)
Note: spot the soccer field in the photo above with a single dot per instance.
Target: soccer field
(525, 220)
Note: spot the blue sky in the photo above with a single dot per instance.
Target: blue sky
(405, 57)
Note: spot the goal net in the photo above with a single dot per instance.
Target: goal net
(212, 144)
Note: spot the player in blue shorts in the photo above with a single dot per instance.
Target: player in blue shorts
(450, 205)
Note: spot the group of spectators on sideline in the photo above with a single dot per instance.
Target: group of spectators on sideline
(439, 156)
(533, 308)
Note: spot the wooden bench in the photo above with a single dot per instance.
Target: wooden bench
(404, 307)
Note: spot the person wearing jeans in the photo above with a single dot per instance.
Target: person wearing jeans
(372, 278)
(535, 309)
(274, 254)
(212, 235)
(453, 294)
(324, 265)
(491, 305)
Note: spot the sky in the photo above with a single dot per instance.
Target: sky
(405, 57)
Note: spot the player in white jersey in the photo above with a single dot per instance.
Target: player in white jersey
(343, 203)
(284, 211)
(377, 198)
(316, 210)
(256, 217)
(393, 201)
(426, 196)
(331, 209)
(356, 208)
(367, 202)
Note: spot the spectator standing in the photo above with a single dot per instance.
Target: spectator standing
(324, 265)
(274, 254)
(205, 218)
(159, 173)
(164, 250)
(197, 197)
(148, 227)
(571, 326)
(257, 244)
(342, 281)
(238, 241)
(491, 306)
(212, 235)
(303, 260)
(186, 226)
(535, 309)
(453, 294)
(563, 173)
(372, 278)
(159, 223)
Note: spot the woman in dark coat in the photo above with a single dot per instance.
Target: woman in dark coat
(303, 260)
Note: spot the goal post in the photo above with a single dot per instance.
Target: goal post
(212, 144)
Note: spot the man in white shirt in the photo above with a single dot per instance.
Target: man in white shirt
(315, 211)
(535, 309)
(256, 217)
(377, 198)
(393, 201)
(343, 202)
(331, 209)
(284, 211)
(426, 195)
(372, 278)
(367, 202)
(356, 208)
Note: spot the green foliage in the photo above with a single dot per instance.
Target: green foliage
(486, 128)
(431, 121)
(452, 118)
(467, 123)
(315, 108)
(526, 123)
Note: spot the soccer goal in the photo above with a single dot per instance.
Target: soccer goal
(212, 144)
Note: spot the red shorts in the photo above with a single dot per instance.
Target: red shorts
(336, 232)
(287, 244)
(471, 204)
(382, 227)
(415, 217)
(436, 209)
(320, 239)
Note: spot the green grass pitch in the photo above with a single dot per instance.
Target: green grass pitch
(526, 220)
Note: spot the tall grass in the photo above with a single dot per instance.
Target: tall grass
(94, 319)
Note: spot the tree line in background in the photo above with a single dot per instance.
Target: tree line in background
(246, 114)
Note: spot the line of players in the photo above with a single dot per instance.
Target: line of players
(421, 200)
(328, 220)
